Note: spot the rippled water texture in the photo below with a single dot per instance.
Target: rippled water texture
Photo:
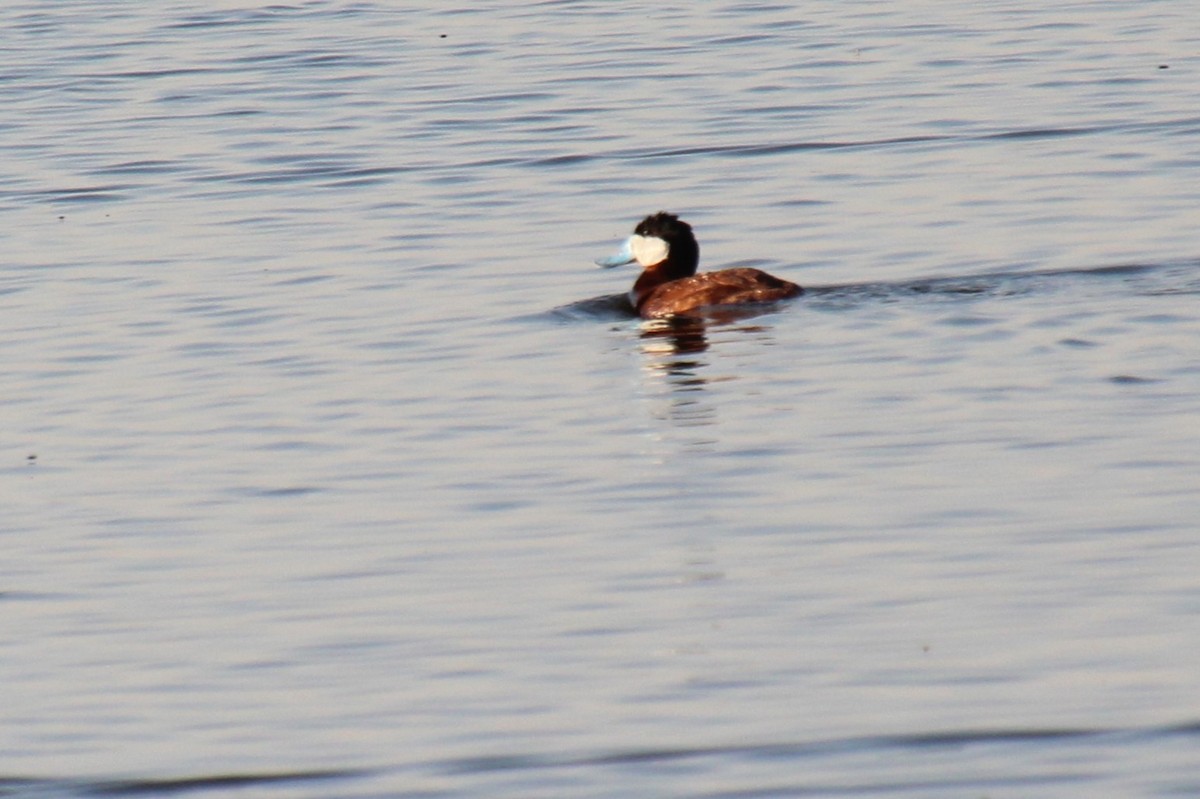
(331, 467)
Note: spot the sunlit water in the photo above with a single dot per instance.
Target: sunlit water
(323, 477)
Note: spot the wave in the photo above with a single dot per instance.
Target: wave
(1144, 279)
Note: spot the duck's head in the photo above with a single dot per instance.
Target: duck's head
(661, 242)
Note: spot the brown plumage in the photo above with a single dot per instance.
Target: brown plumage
(725, 287)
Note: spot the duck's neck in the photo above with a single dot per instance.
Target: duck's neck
(663, 272)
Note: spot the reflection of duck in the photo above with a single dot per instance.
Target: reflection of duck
(663, 245)
(682, 335)
(674, 348)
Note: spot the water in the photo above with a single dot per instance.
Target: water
(320, 478)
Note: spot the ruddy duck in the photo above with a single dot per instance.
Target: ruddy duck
(663, 245)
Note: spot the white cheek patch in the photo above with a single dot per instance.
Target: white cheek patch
(649, 250)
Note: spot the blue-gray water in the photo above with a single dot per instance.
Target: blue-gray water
(318, 478)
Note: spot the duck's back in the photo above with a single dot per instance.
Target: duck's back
(726, 287)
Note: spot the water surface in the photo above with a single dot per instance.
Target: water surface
(319, 479)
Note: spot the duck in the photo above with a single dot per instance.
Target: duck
(665, 247)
